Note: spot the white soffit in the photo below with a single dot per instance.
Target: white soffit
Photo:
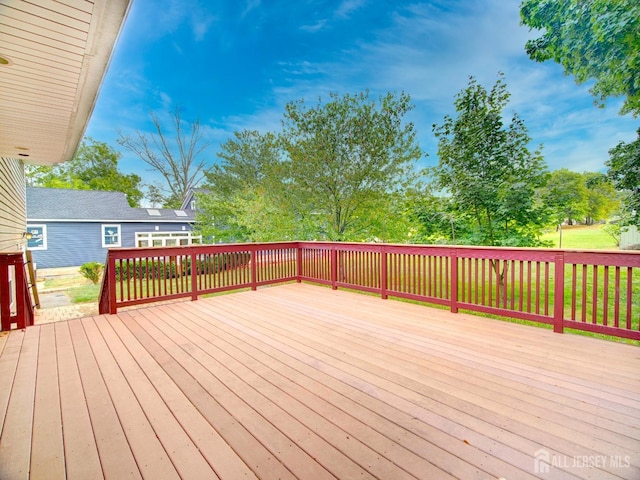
(57, 52)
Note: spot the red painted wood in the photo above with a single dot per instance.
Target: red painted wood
(519, 283)
(558, 301)
(12, 264)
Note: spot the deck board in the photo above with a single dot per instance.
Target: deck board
(482, 392)
(15, 454)
(47, 459)
(299, 381)
(81, 452)
(115, 454)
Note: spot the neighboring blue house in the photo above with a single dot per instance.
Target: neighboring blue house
(72, 227)
(189, 202)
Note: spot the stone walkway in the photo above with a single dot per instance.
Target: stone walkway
(56, 305)
(65, 312)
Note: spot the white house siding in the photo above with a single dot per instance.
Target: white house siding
(13, 205)
(630, 237)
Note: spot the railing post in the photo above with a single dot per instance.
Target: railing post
(111, 283)
(299, 263)
(195, 271)
(254, 268)
(558, 296)
(334, 267)
(453, 281)
(383, 272)
(21, 297)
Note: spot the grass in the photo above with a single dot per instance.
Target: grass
(85, 293)
(65, 281)
(77, 287)
(582, 237)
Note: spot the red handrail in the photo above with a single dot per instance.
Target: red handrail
(14, 292)
(585, 290)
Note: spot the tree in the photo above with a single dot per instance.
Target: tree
(624, 172)
(345, 157)
(602, 198)
(94, 167)
(337, 171)
(245, 193)
(567, 196)
(177, 159)
(488, 170)
(593, 40)
(154, 195)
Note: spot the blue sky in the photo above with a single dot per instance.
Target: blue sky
(235, 64)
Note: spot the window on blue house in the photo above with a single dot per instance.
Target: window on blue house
(37, 237)
(111, 236)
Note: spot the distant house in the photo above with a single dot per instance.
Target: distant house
(630, 238)
(72, 227)
(189, 202)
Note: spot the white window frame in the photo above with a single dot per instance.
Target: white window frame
(160, 239)
(104, 234)
(44, 235)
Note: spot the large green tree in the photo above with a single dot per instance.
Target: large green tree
(593, 40)
(596, 40)
(567, 196)
(602, 198)
(243, 196)
(488, 170)
(337, 170)
(94, 167)
(624, 172)
(345, 157)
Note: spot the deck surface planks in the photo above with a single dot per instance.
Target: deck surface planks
(299, 381)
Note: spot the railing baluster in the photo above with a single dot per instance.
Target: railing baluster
(461, 277)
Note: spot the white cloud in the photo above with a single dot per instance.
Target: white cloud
(251, 5)
(427, 49)
(347, 7)
(200, 25)
(314, 27)
(430, 50)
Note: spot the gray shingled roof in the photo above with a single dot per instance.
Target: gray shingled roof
(85, 205)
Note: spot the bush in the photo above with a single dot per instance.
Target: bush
(92, 271)
(145, 269)
(154, 269)
(220, 262)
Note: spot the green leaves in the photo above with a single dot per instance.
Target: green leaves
(333, 172)
(624, 172)
(488, 171)
(593, 40)
(94, 167)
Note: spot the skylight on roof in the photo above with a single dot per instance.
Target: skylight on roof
(180, 213)
(153, 212)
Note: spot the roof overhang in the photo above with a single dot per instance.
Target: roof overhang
(58, 53)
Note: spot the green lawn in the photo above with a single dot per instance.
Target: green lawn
(582, 237)
(85, 293)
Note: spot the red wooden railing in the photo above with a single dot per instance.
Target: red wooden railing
(16, 307)
(592, 291)
(135, 276)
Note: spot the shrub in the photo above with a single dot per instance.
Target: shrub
(145, 269)
(92, 271)
(154, 269)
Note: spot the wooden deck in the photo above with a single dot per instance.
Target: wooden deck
(299, 381)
